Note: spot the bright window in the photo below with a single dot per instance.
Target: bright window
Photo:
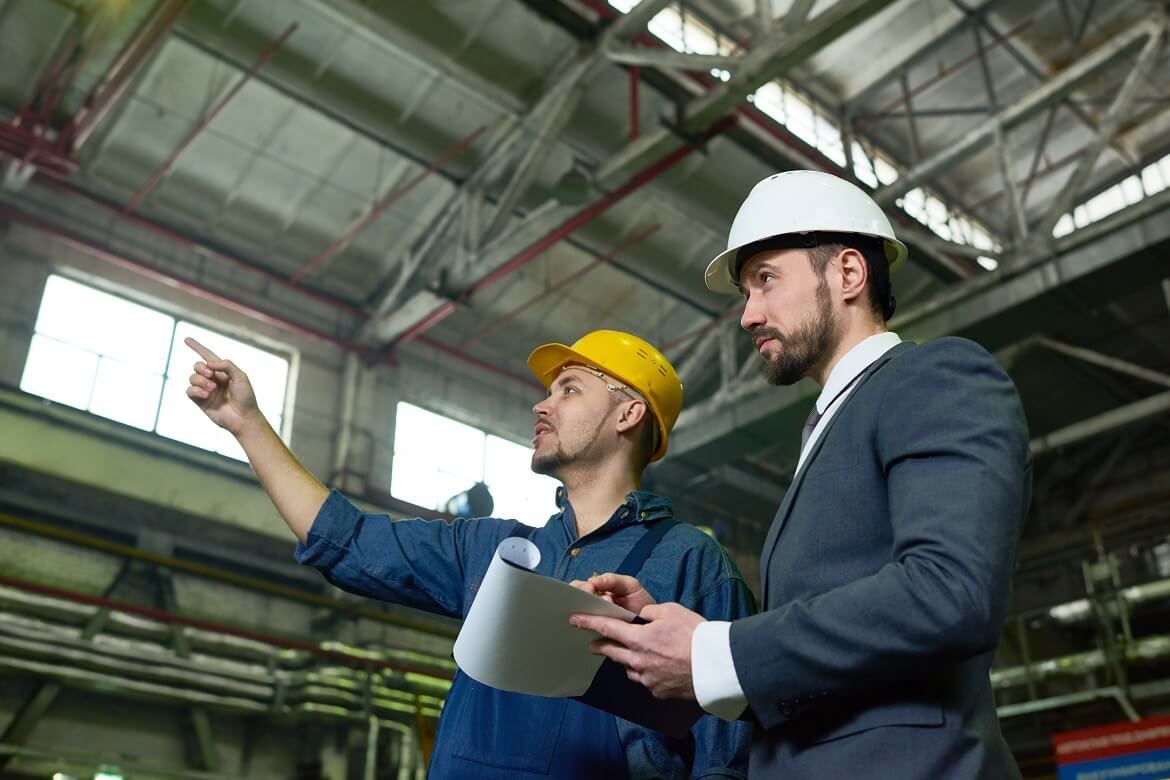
(118, 359)
(436, 458)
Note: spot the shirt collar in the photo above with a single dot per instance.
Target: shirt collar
(640, 506)
(855, 361)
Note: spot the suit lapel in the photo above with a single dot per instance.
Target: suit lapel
(790, 494)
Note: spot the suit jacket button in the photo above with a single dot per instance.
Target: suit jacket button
(786, 710)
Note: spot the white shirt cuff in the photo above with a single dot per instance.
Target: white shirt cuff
(713, 671)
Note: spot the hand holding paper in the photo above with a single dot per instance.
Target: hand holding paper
(656, 654)
(518, 637)
(619, 589)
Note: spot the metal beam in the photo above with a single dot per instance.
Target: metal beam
(764, 16)
(960, 308)
(1047, 94)
(562, 91)
(535, 235)
(1102, 423)
(669, 58)
(890, 62)
(796, 15)
(1105, 361)
(1118, 111)
(1016, 217)
(207, 118)
(771, 58)
(555, 120)
(1037, 71)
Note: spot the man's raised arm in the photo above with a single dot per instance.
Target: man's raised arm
(225, 395)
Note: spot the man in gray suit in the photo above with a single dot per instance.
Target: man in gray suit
(886, 573)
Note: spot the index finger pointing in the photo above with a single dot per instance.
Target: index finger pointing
(203, 351)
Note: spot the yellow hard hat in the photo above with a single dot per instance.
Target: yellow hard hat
(636, 362)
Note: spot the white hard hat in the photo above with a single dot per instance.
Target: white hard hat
(801, 202)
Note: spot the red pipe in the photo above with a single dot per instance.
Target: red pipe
(180, 239)
(492, 327)
(170, 618)
(52, 73)
(706, 326)
(528, 383)
(564, 230)
(120, 74)
(25, 146)
(634, 79)
(54, 92)
(249, 310)
(388, 201)
(206, 121)
(594, 210)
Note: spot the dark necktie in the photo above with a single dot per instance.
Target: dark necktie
(810, 423)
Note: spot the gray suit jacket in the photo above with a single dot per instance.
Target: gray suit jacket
(887, 575)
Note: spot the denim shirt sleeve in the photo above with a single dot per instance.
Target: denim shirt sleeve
(418, 563)
(692, 569)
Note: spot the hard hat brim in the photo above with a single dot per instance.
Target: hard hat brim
(720, 274)
(546, 360)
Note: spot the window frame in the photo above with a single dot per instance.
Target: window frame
(179, 314)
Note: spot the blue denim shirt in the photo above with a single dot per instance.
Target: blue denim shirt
(437, 566)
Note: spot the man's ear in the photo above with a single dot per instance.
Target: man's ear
(854, 273)
(632, 412)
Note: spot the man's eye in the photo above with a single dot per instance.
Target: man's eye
(570, 389)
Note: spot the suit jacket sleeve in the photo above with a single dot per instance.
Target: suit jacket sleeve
(953, 445)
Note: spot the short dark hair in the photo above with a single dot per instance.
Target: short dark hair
(648, 438)
(877, 288)
(822, 247)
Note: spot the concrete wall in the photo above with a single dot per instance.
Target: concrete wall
(189, 494)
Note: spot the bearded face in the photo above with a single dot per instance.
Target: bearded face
(800, 347)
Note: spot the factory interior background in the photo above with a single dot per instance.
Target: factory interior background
(379, 208)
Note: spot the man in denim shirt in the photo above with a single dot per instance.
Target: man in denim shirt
(612, 402)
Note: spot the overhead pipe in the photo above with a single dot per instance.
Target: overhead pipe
(50, 96)
(635, 108)
(565, 229)
(51, 71)
(204, 123)
(1102, 423)
(172, 618)
(249, 310)
(128, 636)
(1068, 700)
(450, 154)
(120, 74)
(175, 237)
(157, 665)
(606, 258)
(207, 572)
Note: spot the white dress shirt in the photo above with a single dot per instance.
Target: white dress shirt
(712, 668)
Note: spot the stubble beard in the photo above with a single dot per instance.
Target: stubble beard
(554, 464)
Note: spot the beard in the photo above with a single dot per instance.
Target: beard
(549, 464)
(809, 343)
(581, 449)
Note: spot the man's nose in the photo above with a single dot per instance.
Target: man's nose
(753, 313)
